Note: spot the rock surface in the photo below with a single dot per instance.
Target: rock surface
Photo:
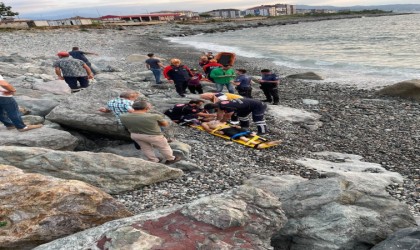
(243, 218)
(111, 173)
(42, 137)
(408, 89)
(306, 76)
(407, 238)
(36, 209)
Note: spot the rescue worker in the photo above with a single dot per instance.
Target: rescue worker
(188, 113)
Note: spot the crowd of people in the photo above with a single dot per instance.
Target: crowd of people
(224, 110)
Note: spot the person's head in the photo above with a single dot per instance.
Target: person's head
(130, 95)
(265, 71)
(150, 55)
(62, 54)
(196, 102)
(141, 105)
(204, 58)
(210, 108)
(75, 48)
(213, 60)
(175, 61)
(241, 71)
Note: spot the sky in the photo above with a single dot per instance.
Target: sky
(95, 8)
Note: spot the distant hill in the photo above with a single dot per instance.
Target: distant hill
(389, 7)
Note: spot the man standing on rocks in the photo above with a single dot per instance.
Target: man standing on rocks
(243, 83)
(121, 105)
(78, 54)
(223, 77)
(155, 66)
(9, 109)
(178, 74)
(269, 85)
(145, 130)
(72, 71)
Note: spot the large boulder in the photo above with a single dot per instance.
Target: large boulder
(243, 218)
(407, 238)
(37, 106)
(42, 137)
(58, 87)
(112, 173)
(349, 210)
(36, 209)
(408, 89)
(80, 110)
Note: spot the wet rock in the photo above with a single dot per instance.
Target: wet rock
(407, 89)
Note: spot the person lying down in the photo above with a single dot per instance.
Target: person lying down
(236, 133)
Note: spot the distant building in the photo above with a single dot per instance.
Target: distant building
(263, 10)
(285, 9)
(226, 13)
(183, 14)
(141, 17)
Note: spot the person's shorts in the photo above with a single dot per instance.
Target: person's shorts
(232, 131)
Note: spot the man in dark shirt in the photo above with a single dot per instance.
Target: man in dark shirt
(78, 54)
(243, 83)
(178, 74)
(243, 107)
(187, 113)
(269, 85)
(155, 66)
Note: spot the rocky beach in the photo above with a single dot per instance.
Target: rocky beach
(316, 122)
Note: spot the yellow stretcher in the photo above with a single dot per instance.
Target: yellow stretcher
(261, 143)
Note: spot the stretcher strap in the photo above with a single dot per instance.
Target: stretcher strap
(235, 136)
(252, 139)
(216, 129)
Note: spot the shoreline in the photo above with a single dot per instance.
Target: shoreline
(380, 129)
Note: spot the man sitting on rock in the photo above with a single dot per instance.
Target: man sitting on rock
(145, 130)
(235, 132)
(9, 109)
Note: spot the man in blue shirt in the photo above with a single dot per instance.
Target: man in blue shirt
(155, 66)
(269, 85)
(243, 83)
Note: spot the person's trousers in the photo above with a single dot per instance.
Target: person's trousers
(180, 87)
(9, 113)
(258, 113)
(219, 87)
(72, 81)
(194, 89)
(157, 74)
(149, 142)
(245, 92)
(271, 93)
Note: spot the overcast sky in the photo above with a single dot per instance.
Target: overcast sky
(104, 7)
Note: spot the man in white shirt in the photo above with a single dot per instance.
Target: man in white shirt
(9, 109)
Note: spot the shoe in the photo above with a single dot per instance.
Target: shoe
(169, 162)
(30, 127)
(266, 100)
(75, 90)
(275, 103)
(183, 95)
(10, 128)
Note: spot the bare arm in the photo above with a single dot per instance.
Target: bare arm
(58, 73)
(206, 127)
(163, 123)
(7, 86)
(88, 71)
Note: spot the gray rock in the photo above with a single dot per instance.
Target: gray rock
(410, 89)
(58, 87)
(297, 116)
(306, 76)
(407, 238)
(112, 173)
(37, 106)
(33, 119)
(42, 137)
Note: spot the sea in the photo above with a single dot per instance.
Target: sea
(367, 52)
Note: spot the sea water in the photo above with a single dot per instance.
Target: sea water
(366, 52)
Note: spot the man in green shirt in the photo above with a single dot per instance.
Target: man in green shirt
(145, 130)
(223, 77)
